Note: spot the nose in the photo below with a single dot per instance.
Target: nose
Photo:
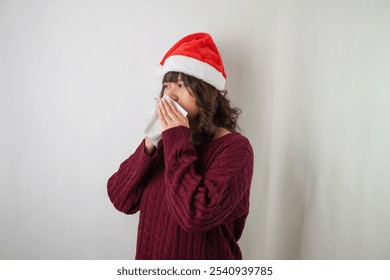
(171, 91)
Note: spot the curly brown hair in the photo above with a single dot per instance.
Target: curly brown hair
(214, 108)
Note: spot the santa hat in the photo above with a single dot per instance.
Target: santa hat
(196, 55)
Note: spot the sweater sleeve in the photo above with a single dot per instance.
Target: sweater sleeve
(125, 187)
(198, 199)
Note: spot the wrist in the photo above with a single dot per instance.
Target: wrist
(149, 148)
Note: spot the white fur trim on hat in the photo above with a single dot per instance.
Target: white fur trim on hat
(196, 68)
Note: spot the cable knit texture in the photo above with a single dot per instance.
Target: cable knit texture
(193, 200)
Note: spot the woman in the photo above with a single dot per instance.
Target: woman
(192, 188)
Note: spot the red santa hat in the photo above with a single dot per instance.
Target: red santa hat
(196, 55)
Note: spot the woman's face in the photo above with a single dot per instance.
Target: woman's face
(182, 95)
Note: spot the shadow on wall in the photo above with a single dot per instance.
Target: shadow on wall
(249, 89)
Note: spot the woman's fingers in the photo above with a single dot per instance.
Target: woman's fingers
(169, 115)
(171, 109)
(163, 110)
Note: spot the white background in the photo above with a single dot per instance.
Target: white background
(312, 77)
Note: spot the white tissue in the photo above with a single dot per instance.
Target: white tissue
(153, 129)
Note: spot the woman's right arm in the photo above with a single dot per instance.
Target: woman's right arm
(125, 186)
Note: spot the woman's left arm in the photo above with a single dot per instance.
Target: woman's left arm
(201, 200)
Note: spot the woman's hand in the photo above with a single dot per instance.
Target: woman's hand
(169, 115)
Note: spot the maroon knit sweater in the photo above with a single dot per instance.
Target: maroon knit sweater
(193, 200)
